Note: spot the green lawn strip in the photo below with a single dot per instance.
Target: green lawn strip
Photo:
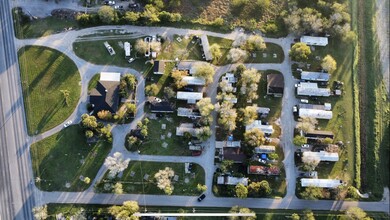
(64, 157)
(95, 52)
(44, 72)
(93, 82)
(152, 145)
(182, 47)
(137, 184)
(343, 114)
(267, 214)
(162, 81)
(40, 27)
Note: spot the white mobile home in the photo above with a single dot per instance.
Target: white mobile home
(322, 183)
(314, 41)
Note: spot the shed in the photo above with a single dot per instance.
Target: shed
(263, 110)
(127, 47)
(322, 155)
(314, 41)
(311, 89)
(159, 67)
(275, 84)
(206, 47)
(267, 129)
(322, 183)
(315, 76)
(191, 97)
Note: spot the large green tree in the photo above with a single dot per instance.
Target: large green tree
(237, 209)
(241, 191)
(300, 52)
(329, 64)
(254, 137)
(126, 211)
(205, 71)
(106, 14)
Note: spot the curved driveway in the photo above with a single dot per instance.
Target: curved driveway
(63, 42)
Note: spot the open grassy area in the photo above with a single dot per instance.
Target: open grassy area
(133, 180)
(44, 73)
(162, 81)
(64, 157)
(93, 82)
(182, 47)
(85, 49)
(261, 214)
(40, 27)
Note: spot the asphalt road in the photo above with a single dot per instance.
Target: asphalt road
(16, 192)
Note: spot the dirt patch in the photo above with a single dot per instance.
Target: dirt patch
(64, 14)
(382, 28)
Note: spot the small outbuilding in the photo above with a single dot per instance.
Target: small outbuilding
(275, 84)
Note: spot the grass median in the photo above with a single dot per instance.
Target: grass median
(61, 159)
(45, 74)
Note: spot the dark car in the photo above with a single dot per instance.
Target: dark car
(201, 197)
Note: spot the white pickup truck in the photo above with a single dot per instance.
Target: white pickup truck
(109, 48)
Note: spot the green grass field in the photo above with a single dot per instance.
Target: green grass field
(93, 82)
(84, 49)
(138, 185)
(41, 27)
(44, 72)
(64, 157)
(185, 49)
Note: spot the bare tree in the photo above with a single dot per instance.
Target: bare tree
(116, 164)
(306, 124)
(310, 161)
(237, 55)
(163, 178)
(40, 212)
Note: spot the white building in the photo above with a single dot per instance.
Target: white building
(267, 129)
(230, 180)
(185, 127)
(314, 41)
(222, 144)
(229, 77)
(315, 76)
(110, 76)
(127, 47)
(322, 183)
(263, 110)
(206, 47)
(192, 80)
(191, 97)
(322, 155)
(311, 89)
(315, 113)
(187, 112)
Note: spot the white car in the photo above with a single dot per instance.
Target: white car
(305, 145)
(111, 3)
(130, 60)
(304, 101)
(67, 123)
(157, 99)
(295, 109)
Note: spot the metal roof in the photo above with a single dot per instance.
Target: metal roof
(192, 80)
(110, 76)
(315, 113)
(314, 41)
(206, 47)
(322, 183)
(189, 95)
(267, 129)
(315, 76)
(311, 89)
(322, 155)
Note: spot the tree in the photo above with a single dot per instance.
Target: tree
(237, 209)
(227, 116)
(106, 14)
(254, 43)
(226, 165)
(104, 115)
(259, 188)
(177, 76)
(201, 188)
(169, 92)
(249, 81)
(105, 132)
(308, 215)
(205, 106)
(356, 213)
(203, 133)
(306, 124)
(131, 108)
(40, 212)
(116, 164)
(88, 121)
(132, 16)
(205, 71)
(241, 191)
(155, 46)
(118, 188)
(225, 87)
(254, 137)
(248, 114)
(163, 178)
(87, 180)
(329, 64)
(150, 14)
(152, 89)
(311, 193)
(237, 55)
(263, 4)
(310, 161)
(299, 140)
(327, 140)
(300, 52)
(295, 216)
(238, 3)
(216, 52)
(126, 211)
(88, 133)
(141, 46)
(66, 95)
(79, 215)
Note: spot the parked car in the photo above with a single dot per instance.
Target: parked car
(304, 101)
(262, 161)
(305, 145)
(295, 109)
(201, 197)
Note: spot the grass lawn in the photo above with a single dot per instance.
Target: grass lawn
(93, 82)
(44, 72)
(95, 52)
(64, 157)
(226, 45)
(137, 184)
(185, 49)
(40, 27)
(162, 81)
(153, 144)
